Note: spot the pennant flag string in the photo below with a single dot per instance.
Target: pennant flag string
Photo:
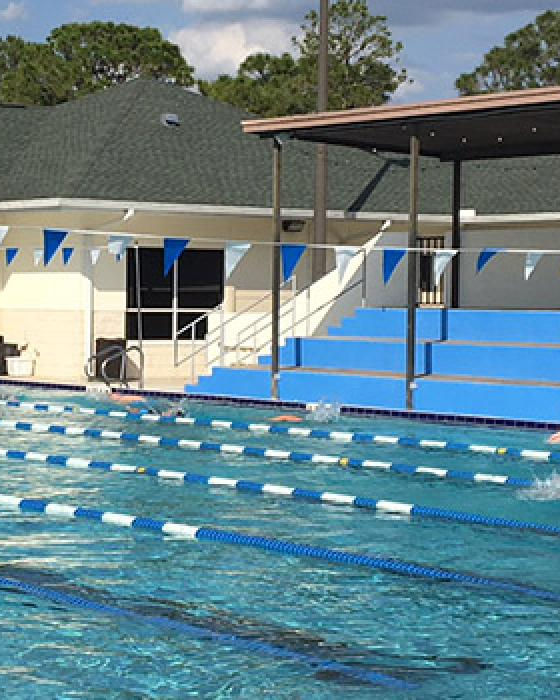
(37, 256)
(391, 258)
(531, 261)
(66, 255)
(118, 244)
(441, 261)
(291, 255)
(234, 252)
(485, 256)
(3, 233)
(172, 249)
(10, 255)
(52, 240)
(343, 255)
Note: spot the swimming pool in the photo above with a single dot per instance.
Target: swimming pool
(90, 610)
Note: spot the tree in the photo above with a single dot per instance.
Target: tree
(361, 52)
(265, 85)
(529, 58)
(78, 59)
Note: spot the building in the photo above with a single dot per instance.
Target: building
(154, 160)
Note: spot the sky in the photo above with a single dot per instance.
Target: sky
(442, 38)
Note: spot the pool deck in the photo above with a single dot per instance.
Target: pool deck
(171, 388)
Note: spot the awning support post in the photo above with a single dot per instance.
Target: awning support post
(412, 291)
(456, 233)
(277, 228)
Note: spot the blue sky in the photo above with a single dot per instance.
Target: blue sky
(442, 38)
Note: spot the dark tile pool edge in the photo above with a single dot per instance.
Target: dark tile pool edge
(361, 411)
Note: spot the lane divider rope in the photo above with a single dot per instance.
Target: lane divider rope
(266, 453)
(243, 485)
(204, 633)
(300, 432)
(270, 544)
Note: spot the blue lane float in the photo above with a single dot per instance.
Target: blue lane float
(300, 432)
(204, 633)
(308, 495)
(269, 454)
(277, 546)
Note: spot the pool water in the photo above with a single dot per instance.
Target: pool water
(142, 616)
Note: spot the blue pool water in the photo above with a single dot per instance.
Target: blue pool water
(444, 640)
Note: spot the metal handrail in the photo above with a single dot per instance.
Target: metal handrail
(218, 330)
(114, 352)
(90, 374)
(334, 298)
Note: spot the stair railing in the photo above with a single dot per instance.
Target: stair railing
(285, 334)
(214, 337)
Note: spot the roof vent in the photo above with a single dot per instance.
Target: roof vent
(170, 120)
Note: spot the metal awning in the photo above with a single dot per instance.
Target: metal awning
(499, 125)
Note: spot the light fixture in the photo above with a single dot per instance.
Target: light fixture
(293, 225)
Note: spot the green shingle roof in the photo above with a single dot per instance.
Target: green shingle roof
(113, 146)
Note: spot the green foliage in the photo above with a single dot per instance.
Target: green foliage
(265, 85)
(361, 54)
(78, 59)
(529, 58)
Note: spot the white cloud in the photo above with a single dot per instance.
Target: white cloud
(222, 6)
(214, 48)
(14, 11)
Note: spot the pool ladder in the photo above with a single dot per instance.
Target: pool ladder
(110, 354)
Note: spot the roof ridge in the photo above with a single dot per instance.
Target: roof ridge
(97, 154)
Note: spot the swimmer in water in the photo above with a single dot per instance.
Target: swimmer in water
(554, 439)
(286, 419)
(136, 403)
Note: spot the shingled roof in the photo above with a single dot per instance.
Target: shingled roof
(113, 146)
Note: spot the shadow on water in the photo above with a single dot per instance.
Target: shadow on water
(222, 625)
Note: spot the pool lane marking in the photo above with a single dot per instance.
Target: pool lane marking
(311, 496)
(336, 435)
(271, 544)
(199, 631)
(264, 453)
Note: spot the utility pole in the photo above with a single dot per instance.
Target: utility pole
(319, 266)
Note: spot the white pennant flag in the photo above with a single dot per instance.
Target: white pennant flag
(37, 256)
(343, 255)
(441, 261)
(118, 244)
(94, 255)
(531, 261)
(3, 232)
(234, 253)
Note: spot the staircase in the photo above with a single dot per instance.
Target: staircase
(504, 364)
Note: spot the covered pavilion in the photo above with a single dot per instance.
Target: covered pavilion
(500, 125)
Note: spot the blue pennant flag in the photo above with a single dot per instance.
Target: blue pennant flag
(485, 256)
(291, 255)
(172, 249)
(391, 258)
(52, 240)
(66, 255)
(11, 254)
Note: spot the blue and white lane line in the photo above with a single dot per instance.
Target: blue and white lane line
(311, 496)
(270, 544)
(199, 631)
(336, 435)
(264, 453)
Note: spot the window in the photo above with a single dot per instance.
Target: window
(199, 286)
(429, 293)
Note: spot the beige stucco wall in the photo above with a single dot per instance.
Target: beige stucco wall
(60, 310)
